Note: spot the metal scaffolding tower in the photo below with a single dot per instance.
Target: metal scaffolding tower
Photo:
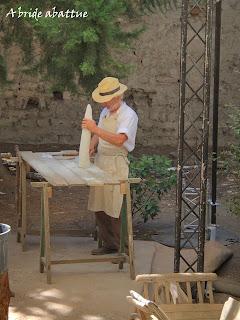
(194, 102)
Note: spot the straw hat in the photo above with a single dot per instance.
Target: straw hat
(107, 89)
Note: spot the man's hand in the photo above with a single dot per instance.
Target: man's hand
(93, 145)
(92, 149)
(89, 124)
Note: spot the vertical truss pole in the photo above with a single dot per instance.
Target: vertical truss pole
(204, 160)
(180, 134)
(215, 109)
(196, 30)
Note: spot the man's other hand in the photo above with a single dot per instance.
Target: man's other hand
(89, 124)
(92, 150)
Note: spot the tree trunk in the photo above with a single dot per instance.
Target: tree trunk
(5, 294)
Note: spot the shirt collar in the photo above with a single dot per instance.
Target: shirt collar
(117, 112)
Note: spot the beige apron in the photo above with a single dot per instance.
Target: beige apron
(111, 159)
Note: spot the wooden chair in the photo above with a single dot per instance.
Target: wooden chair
(178, 287)
(146, 309)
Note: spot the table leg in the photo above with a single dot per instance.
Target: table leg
(123, 229)
(130, 232)
(47, 232)
(42, 236)
(18, 199)
(23, 173)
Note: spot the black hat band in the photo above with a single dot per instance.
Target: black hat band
(109, 92)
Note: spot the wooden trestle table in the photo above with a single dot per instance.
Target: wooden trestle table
(61, 169)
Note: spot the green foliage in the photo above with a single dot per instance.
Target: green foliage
(3, 74)
(234, 205)
(162, 5)
(235, 117)
(231, 159)
(75, 52)
(157, 179)
(3, 71)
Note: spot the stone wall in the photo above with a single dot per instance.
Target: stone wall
(29, 114)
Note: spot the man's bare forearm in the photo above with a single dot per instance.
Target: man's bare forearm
(113, 138)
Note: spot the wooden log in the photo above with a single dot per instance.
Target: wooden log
(5, 295)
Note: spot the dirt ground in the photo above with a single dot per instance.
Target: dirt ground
(66, 204)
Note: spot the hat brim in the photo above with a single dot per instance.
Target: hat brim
(101, 99)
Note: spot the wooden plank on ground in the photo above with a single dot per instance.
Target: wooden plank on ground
(39, 163)
(177, 277)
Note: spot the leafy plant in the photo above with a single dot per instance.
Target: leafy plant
(234, 204)
(157, 179)
(75, 53)
(231, 159)
(162, 5)
(3, 71)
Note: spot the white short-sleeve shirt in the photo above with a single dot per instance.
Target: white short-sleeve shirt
(127, 122)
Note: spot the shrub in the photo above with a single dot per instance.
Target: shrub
(232, 160)
(158, 179)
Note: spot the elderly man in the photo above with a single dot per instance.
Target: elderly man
(112, 139)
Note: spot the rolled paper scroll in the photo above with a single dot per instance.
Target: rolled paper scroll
(84, 159)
